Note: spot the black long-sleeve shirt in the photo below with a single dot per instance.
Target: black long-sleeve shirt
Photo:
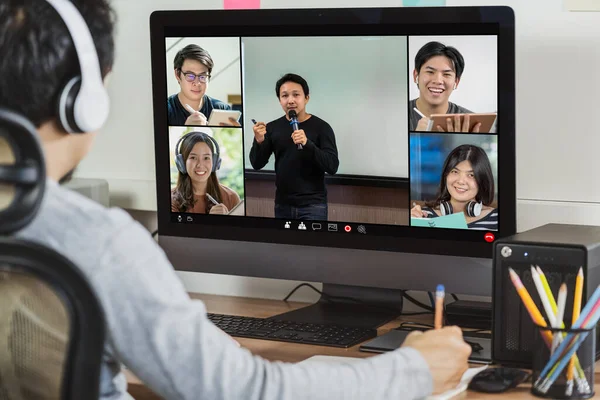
(299, 174)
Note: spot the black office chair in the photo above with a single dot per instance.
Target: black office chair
(52, 326)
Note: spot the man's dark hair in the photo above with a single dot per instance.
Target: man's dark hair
(38, 56)
(193, 52)
(433, 49)
(292, 78)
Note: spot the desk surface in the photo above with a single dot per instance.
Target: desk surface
(293, 352)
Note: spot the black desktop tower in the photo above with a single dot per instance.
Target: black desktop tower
(559, 250)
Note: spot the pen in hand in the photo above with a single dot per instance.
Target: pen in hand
(439, 306)
(212, 199)
(419, 112)
(253, 121)
(189, 108)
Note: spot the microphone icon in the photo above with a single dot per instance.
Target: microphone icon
(294, 122)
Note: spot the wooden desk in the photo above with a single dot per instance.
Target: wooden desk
(293, 352)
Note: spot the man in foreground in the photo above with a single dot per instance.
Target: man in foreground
(153, 326)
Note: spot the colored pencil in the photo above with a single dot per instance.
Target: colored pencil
(551, 309)
(585, 313)
(537, 317)
(576, 311)
(440, 294)
(558, 321)
(590, 321)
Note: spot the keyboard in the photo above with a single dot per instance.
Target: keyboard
(286, 331)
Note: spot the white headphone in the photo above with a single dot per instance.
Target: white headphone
(83, 104)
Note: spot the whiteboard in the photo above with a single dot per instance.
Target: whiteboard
(357, 84)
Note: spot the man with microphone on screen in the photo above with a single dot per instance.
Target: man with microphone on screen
(305, 149)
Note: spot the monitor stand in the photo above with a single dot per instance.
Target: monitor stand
(355, 306)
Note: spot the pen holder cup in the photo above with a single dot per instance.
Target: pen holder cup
(551, 369)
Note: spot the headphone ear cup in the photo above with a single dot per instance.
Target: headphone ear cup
(66, 105)
(22, 171)
(216, 153)
(445, 208)
(180, 164)
(474, 209)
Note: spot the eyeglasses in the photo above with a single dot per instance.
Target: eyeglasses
(191, 77)
(498, 380)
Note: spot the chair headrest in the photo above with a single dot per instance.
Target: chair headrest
(22, 172)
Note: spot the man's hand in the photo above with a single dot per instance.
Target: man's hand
(454, 125)
(260, 130)
(219, 209)
(299, 137)
(232, 122)
(196, 117)
(445, 352)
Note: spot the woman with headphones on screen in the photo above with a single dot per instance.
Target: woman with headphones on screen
(467, 186)
(198, 189)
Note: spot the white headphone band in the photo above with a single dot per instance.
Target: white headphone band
(92, 103)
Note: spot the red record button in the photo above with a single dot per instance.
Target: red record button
(347, 228)
(489, 237)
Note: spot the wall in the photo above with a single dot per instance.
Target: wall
(124, 149)
(341, 76)
(556, 100)
(556, 144)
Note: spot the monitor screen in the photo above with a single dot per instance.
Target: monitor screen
(385, 130)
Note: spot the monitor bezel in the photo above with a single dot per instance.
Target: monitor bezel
(362, 21)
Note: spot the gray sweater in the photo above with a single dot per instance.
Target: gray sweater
(165, 338)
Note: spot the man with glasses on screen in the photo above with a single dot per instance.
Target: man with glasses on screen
(192, 106)
(164, 337)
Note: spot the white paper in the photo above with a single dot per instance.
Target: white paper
(462, 386)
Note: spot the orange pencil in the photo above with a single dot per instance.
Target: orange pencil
(535, 314)
(576, 311)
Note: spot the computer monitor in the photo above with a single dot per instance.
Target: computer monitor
(382, 195)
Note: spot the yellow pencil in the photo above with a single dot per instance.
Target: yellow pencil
(547, 290)
(576, 311)
(535, 314)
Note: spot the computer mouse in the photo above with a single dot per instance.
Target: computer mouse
(497, 380)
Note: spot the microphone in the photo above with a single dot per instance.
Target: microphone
(294, 122)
